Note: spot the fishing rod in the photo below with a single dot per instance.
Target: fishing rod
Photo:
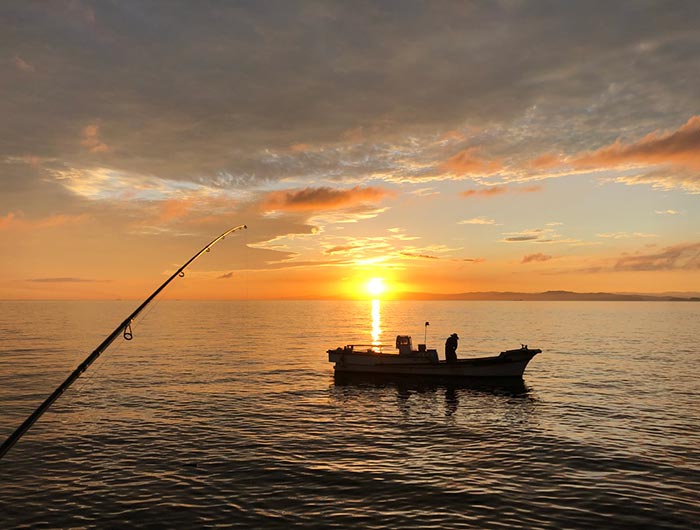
(123, 328)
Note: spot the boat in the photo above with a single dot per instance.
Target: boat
(424, 362)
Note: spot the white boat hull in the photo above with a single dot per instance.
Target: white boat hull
(509, 364)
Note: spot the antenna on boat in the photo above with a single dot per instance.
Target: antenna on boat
(425, 336)
(122, 329)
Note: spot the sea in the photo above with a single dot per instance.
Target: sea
(226, 414)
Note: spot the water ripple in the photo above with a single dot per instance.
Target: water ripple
(191, 428)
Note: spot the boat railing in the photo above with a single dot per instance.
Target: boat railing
(370, 347)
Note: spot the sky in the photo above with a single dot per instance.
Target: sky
(418, 147)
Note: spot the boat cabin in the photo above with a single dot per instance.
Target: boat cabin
(405, 346)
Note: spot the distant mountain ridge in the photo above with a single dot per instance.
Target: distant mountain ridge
(552, 296)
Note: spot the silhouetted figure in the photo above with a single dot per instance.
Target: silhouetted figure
(451, 348)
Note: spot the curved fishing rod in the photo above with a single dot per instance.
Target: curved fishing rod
(123, 328)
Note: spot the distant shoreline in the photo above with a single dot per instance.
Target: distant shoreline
(505, 296)
(552, 296)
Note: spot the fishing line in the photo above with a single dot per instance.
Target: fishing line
(89, 380)
(123, 329)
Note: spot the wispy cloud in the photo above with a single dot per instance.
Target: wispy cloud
(499, 190)
(425, 192)
(467, 162)
(102, 183)
(666, 212)
(680, 147)
(485, 192)
(478, 221)
(537, 235)
(514, 238)
(678, 257)
(545, 161)
(626, 235)
(91, 139)
(420, 256)
(321, 199)
(536, 258)
(18, 221)
(341, 248)
(22, 65)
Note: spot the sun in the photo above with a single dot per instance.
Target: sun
(376, 286)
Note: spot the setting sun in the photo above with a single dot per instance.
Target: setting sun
(376, 286)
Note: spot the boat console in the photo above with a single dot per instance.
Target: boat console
(405, 346)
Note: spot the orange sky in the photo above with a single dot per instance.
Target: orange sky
(471, 148)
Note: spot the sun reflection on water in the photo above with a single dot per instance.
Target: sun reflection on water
(376, 324)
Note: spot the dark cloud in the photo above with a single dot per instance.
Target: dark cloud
(535, 257)
(522, 238)
(197, 91)
(421, 256)
(547, 234)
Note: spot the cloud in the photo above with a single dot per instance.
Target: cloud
(477, 221)
(421, 256)
(545, 161)
(341, 248)
(102, 183)
(300, 148)
(171, 209)
(680, 147)
(290, 92)
(538, 235)
(522, 238)
(268, 104)
(425, 192)
(467, 162)
(22, 65)
(664, 159)
(666, 212)
(626, 235)
(91, 139)
(321, 199)
(225, 276)
(678, 257)
(663, 179)
(529, 258)
(17, 221)
(499, 190)
(485, 192)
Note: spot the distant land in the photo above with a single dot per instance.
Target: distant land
(557, 296)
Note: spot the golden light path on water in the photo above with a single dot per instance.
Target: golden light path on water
(376, 323)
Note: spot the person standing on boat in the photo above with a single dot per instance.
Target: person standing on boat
(451, 348)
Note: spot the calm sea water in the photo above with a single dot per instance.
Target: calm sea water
(226, 414)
